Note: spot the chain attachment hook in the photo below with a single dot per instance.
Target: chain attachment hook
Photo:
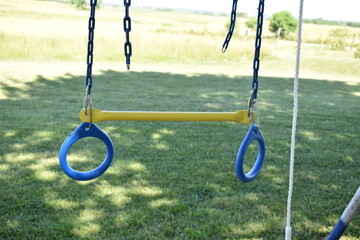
(88, 104)
(251, 106)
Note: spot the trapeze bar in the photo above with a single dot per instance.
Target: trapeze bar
(99, 115)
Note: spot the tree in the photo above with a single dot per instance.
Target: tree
(81, 3)
(251, 23)
(78, 3)
(241, 15)
(283, 22)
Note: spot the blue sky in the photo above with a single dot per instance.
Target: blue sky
(345, 10)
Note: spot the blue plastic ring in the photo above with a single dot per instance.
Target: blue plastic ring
(253, 134)
(82, 131)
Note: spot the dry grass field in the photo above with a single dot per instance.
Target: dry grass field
(49, 31)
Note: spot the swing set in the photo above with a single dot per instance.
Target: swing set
(90, 115)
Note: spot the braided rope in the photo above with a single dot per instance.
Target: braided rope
(294, 122)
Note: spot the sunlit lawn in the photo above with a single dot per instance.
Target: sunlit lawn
(175, 180)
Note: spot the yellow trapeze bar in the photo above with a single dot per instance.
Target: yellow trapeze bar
(99, 115)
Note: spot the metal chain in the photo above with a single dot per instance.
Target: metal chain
(127, 29)
(256, 64)
(90, 48)
(89, 60)
(231, 27)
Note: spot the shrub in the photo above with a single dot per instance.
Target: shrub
(78, 3)
(284, 21)
(337, 39)
(82, 3)
(357, 52)
(251, 23)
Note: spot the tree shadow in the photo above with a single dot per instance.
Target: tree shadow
(176, 180)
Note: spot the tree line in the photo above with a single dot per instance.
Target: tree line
(330, 22)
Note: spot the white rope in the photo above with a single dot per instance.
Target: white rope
(293, 131)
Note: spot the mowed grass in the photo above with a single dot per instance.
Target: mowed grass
(175, 180)
(169, 180)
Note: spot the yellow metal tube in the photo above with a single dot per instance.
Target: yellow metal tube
(99, 115)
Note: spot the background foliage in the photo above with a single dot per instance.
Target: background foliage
(284, 21)
(337, 39)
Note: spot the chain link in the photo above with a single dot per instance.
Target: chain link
(231, 27)
(90, 49)
(256, 63)
(127, 29)
(89, 60)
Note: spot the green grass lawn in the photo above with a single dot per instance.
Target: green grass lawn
(169, 180)
(175, 180)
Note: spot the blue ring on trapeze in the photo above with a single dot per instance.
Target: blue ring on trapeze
(82, 131)
(253, 134)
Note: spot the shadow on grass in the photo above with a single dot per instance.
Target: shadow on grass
(175, 180)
